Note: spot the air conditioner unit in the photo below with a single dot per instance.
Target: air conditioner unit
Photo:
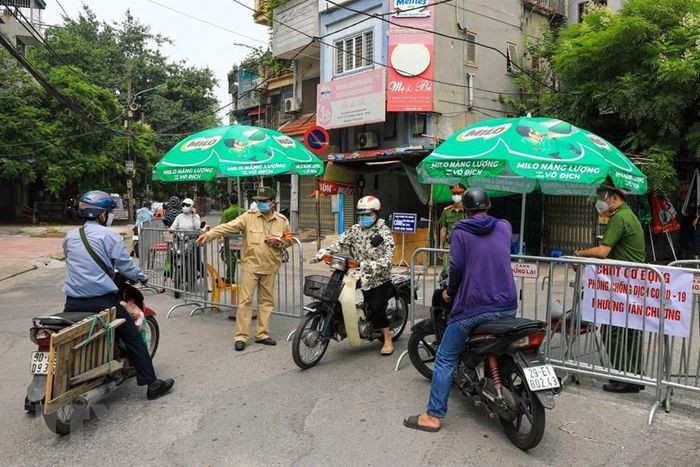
(291, 104)
(367, 139)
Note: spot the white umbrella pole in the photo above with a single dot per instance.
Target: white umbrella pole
(430, 227)
(522, 225)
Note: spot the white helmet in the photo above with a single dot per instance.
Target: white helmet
(367, 204)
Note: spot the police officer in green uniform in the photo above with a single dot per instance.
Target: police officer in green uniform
(449, 217)
(623, 241)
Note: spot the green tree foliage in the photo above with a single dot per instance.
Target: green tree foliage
(93, 62)
(632, 76)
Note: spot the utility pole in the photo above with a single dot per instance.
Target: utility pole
(129, 167)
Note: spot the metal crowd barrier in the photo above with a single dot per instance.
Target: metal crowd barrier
(683, 354)
(208, 276)
(579, 340)
(172, 261)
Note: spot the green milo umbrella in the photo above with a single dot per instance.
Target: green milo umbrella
(235, 151)
(520, 155)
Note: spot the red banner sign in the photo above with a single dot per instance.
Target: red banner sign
(663, 214)
(327, 187)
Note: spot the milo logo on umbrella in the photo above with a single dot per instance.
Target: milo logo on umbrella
(284, 141)
(200, 143)
(483, 132)
(598, 141)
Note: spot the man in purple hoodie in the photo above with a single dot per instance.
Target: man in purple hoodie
(482, 286)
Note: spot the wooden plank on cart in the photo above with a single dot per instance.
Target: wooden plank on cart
(116, 323)
(78, 361)
(102, 370)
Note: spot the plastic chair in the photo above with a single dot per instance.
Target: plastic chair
(219, 286)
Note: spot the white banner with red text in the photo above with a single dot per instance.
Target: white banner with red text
(631, 297)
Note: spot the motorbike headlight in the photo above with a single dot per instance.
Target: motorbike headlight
(338, 263)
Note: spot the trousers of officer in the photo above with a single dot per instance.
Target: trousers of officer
(127, 332)
(265, 284)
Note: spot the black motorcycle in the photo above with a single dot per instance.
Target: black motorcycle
(501, 369)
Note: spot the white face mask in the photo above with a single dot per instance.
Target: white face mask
(110, 219)
(601, 206)
(187, 209)
(456, 199)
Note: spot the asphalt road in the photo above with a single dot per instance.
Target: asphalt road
(256, 408)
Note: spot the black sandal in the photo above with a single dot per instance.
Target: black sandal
(412, 422)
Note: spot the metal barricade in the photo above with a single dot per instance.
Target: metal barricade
(616, 334)
(683, 354)
(208, 276)
(172, 261)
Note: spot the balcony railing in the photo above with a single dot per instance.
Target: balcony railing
(551, 7)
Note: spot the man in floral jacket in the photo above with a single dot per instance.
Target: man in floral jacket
(370, 243)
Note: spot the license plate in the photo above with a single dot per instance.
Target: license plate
(40, 363)
(541, 377)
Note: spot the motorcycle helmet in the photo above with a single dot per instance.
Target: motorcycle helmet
(476, 199)
(95, 202)
(368, 204)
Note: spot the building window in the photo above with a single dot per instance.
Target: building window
(512, 59)
(354, 52)
(471, 48)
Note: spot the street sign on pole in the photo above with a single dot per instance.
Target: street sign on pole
(402, 222)
(129, 167)
(317, 139)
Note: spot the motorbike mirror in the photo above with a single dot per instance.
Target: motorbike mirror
(352, 263)
(202, 224)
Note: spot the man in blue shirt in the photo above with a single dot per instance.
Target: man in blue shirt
(89, 288)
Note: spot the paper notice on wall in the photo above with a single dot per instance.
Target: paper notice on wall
(631, 297)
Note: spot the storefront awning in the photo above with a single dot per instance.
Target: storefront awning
(256, 111)
(298, 126)
(376, 160)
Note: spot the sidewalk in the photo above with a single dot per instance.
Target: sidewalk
(25, 248)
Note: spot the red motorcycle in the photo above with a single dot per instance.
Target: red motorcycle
(76, 408)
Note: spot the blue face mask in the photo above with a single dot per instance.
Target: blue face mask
(367, 221)
(264, 207)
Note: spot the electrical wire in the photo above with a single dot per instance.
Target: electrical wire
(440, 34)
(60, 138)
(40, 39)
(244, 94)
(365, 59)
(51, 90)
(385, 14)
(209, 23)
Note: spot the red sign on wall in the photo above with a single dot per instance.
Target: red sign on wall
(409, 83)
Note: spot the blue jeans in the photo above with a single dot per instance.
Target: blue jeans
(451, 347)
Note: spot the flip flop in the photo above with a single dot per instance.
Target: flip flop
(412, 422)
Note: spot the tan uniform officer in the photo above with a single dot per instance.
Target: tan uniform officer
(265, 234)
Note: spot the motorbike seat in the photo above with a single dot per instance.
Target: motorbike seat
(62, 320)
(503, 327)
